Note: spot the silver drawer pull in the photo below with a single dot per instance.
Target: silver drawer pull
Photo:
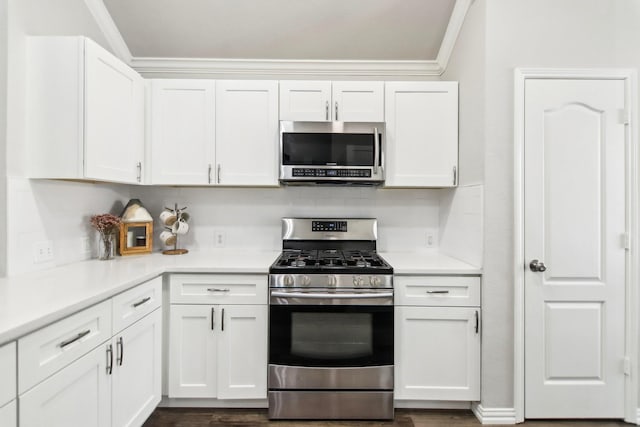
(218, 290)
(63, 344)
(142, 301)
(437, 292)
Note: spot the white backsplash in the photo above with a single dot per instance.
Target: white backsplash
(250, 217)
(58, 212)
(461, 223)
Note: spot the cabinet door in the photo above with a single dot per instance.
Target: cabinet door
(242, 346)
(8, 373)
(78, 395)
(358, 101)
(437, 353)
(137, 371)
(247, 133)
(114, 118)
(305, 100)
(182, 131)
(422, 134)
(192, 351)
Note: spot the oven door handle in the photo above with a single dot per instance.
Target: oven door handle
(331, 295)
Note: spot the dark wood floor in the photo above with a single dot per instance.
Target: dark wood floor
(197, 417)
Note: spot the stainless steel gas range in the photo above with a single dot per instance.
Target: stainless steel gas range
(330, 322)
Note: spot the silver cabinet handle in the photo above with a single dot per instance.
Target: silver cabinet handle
(109, 359)
(537, 266)
(213, 311)
(437, 292)
(326, 110)
(218, 290)
(455, 175)
(336, 111)
(222, 325)
(82, 334)
(218, 173)
(139, 171)
(376, 150)
(209, 173)
(142, 301)
(120, 346)
(477, 321)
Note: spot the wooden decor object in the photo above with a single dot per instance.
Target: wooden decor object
(135, 238)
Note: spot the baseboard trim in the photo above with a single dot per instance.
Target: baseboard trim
(503, 416)
(167, 402)
(431, 404)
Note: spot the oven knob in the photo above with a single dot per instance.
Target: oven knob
(374, 281)
(288, 280)
(332, 281)
(358, 281)
(306, 280)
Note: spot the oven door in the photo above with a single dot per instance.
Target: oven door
(314, 344)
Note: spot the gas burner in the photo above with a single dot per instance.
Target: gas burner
(363, 263)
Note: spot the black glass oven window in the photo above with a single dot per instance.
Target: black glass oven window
(321, 149)
(332, 336)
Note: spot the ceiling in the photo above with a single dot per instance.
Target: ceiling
(368, 30)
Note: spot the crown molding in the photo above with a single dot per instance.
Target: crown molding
(109, 29)
(150, 66)
(281, 67)
(458, 14)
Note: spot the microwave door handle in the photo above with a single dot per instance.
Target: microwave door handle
(376, 148)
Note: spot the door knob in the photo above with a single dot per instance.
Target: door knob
(537, 266)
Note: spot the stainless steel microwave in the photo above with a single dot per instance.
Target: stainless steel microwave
(331, 153)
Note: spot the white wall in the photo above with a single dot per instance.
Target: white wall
(250, 217)
(3, 134)
(41, 210)
(530, 33)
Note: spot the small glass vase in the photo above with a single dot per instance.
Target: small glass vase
(106, 246)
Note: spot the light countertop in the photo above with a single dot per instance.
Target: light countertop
(33, 300)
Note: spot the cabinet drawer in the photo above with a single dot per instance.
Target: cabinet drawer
(449, 291)
(8, 373)
(218, 289)
(134, 304)
(51, 348)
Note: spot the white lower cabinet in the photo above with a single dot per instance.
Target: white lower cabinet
(218, 351)
(9, 414)
(137, 371)
(78, 395)
(115, 382)
(437, 344)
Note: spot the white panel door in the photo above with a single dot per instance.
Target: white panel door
(78, 395)
(437, 353)
(182, 131)
(247, 132)
(114, 118)
(9, 414)
(193, 351)
(242, 346)
(422, 134)
(358, 101)
(574, 224)
(305, 100)
(137, 372)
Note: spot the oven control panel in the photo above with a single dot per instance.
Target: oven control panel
(331, 173)
(329, 226)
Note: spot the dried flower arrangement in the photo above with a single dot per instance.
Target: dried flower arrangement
(107, 225)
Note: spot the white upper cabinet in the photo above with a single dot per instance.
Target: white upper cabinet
(422, 134)
(182, 131)
(85, 112)
(247, 132)
(321, 101)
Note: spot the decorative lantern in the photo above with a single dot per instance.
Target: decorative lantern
(136, 229)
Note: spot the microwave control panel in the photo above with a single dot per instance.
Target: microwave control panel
(331, 173)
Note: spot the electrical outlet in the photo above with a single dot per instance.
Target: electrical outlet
(42, 251)
(219, 239)
(85, 244)
(430, 239)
